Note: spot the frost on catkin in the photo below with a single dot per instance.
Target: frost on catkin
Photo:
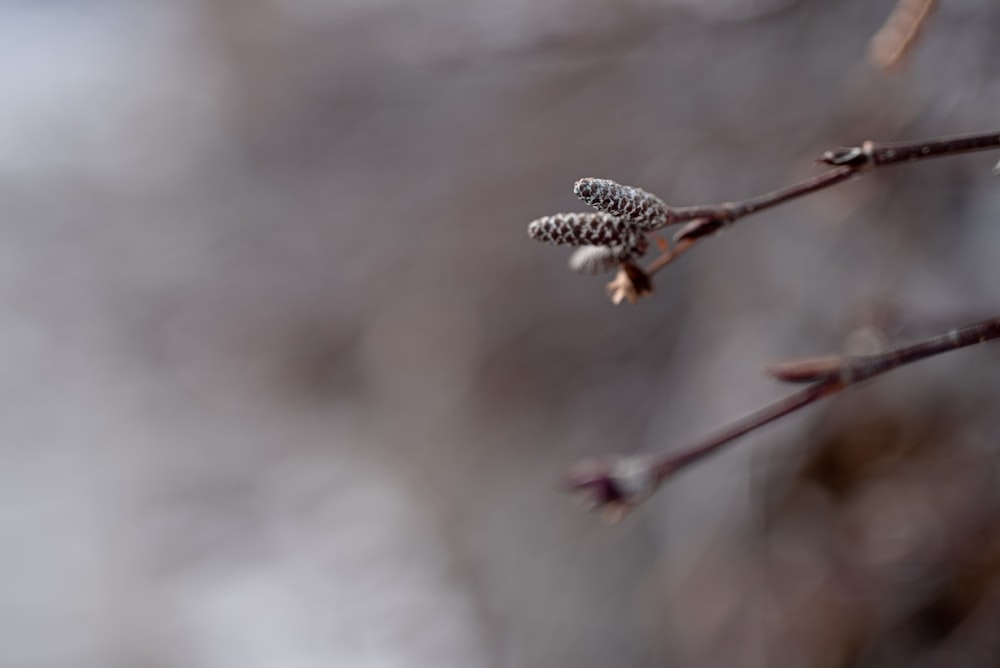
(583, 229)
(645, 210)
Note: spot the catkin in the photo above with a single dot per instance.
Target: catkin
(583, 229)
(602, 259)
(645, 210)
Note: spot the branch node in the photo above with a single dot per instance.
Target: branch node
(849, 156)
(697, 229)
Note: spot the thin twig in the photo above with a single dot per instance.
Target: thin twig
(730, 211)
(877, 154)
(614, 486)
(705, 220)
(627, 214)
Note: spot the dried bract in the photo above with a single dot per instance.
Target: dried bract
(630, 284)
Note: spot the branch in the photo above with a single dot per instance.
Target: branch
(628, 214)
(615, 485)
(848, 162)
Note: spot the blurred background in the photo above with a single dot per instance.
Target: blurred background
(285, 384)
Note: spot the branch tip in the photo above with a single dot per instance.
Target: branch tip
(612, 487)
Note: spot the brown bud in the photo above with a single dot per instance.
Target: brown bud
(853, 156)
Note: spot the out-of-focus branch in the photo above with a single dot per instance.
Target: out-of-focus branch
(615, 485)
(889, 46)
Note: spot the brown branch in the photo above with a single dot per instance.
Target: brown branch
(876, 154)
(705, 220)
(616, 485)
(628, 214)
(730, 211)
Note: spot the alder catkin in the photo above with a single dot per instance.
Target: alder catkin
(583, 229)
(645, 210)
(602, 259)
(594, 259)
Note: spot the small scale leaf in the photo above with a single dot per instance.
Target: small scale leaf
(630, 284)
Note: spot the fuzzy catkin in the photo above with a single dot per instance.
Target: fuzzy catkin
(595, 260)
(583, 229)
(645, 210)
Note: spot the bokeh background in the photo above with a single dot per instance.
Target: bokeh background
(285, 384)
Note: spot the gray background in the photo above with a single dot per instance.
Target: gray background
(285, 384)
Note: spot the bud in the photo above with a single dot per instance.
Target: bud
(853, 156)
(614, 486)
(645, 210)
